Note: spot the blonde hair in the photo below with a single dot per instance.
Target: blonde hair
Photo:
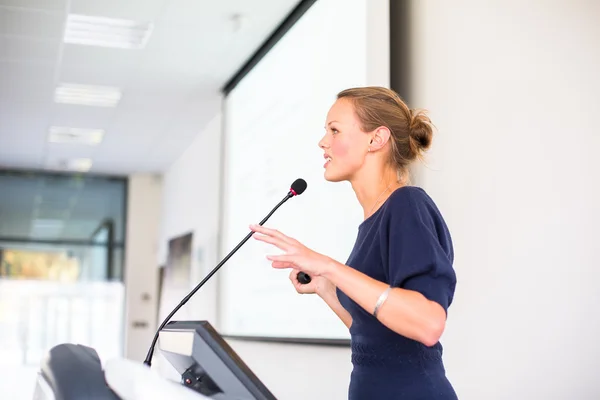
(411, 130)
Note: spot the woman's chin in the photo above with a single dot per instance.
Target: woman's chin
(331, 176)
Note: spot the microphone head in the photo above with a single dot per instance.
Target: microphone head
(298, 187)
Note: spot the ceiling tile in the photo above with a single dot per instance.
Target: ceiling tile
(27, 75)
(75, 55)
(42, 5)
(192, 52)
(17, 147)
(21, 129)
(17, 161)
(76, 116)
(140, 10)
(69, 150)
(23, 22)
(103, 74)
(25, 49)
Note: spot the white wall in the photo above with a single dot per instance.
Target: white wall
(191, 203)
(290, 90)
(513, 89)
(143, 218)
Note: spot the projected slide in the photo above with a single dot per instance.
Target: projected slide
(274, 120)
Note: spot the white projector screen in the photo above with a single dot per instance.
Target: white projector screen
(274, 119)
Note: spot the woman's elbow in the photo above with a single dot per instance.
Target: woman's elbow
(433, 332)
(434, 326)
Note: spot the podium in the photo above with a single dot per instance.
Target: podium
(71, 371)
(208, 366)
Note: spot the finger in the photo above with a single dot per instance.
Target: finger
(303, 289)
(272, 240)
(271, 232)
(294, 276)
(285, 258)
(294, 280)
(281, 265)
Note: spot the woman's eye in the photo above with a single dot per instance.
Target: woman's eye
(334, 131)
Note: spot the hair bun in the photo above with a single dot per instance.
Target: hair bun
(411, 131)
(420, 132)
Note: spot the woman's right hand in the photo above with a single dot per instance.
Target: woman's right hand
(326, 291)
(317, 284)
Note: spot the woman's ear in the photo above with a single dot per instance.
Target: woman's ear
(380, 137)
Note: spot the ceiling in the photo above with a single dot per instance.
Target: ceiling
(170, 87)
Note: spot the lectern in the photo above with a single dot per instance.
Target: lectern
(207, 364)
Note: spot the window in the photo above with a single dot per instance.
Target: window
(62, 240)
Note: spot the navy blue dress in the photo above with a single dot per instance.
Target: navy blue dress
(406, 244)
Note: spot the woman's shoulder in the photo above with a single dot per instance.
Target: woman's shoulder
(413, 206)
(411, 199)
(412, 212)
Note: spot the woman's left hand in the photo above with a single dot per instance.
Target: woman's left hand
(296, 254)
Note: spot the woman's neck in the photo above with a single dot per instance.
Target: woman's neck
(372, 192)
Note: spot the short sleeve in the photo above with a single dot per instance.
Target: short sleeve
(418, 250)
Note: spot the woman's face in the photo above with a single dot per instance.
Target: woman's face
(344, 144)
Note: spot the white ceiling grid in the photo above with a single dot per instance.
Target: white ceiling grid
(170, 88)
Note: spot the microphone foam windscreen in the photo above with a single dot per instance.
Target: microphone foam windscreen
(299, 186)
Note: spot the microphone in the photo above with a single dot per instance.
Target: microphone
(297, 188)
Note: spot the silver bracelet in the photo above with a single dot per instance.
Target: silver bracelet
(381, 300)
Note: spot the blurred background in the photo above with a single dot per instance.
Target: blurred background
(139, 138)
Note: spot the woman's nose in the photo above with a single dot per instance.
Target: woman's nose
(322, 143)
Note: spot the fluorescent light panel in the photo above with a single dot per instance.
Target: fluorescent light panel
(77, 165)
(63, 134)
(107, 32)
(87, 95)
(80, 164)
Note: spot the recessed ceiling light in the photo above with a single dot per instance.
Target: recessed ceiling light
(87, 95)
(79, 164)
(107, 32)
(63, 134)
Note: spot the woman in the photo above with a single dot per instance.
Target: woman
(394, 291)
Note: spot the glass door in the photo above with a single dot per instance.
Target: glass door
(61, 257)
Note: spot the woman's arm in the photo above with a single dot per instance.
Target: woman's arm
(406, 312)
(329, 296)
(326, 291)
